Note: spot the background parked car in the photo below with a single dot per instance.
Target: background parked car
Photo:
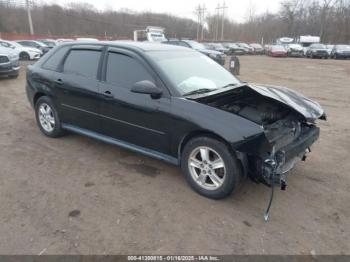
(218, 47)
(248, 48)
(295, 50)
(341, 51)
(277, 51)
(36, 44)
(235, 49)
(217, 56)
(258, 49)
(317, 51)
(24, 52)
(9, 62)
(49, 42)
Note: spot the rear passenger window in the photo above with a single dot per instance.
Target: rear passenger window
(54, 60)
(125, 70)
(82, 62)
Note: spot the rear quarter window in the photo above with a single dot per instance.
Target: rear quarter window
(55, 59)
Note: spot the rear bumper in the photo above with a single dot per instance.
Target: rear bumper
(220, 60)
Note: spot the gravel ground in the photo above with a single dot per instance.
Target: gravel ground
(75, 195)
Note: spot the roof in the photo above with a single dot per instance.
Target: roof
(137, 46)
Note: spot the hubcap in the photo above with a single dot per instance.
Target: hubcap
(207, 168)
(46, 117)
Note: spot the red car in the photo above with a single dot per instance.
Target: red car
(277, 51)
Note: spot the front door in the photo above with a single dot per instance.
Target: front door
(134, 118)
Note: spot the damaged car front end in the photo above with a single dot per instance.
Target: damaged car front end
(288, 129)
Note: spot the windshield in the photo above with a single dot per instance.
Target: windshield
(16, 45)
(278, 48)
(295, 46)
(195, 45)
(191, 71)
(158, 37)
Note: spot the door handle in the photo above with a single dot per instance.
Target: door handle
(59, 82)
(108, 94)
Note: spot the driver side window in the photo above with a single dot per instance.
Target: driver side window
(125, 70)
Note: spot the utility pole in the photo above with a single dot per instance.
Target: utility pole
(30, 22)
(203, 9)
(198, 13)
(223, 20)
(218, 14)
(217, 21)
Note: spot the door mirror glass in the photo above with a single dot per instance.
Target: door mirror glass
(146, 87)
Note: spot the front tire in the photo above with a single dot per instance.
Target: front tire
(210, 168)
(47, 118)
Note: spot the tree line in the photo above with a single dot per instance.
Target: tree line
(329, 19)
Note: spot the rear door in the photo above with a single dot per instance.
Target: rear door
(77, 87)
(134, 118)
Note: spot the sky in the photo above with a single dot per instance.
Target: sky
(237, 9)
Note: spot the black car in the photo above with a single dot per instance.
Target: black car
(234, 49)
(341, 51)
(217, 56)
(36, 44)
(173, 104)
(317, 51)
(48, 42)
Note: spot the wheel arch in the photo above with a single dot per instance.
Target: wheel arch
(240, 156)
(24, 52)
(198, 133)
(37, 96)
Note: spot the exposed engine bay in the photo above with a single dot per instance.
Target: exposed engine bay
(256, 109)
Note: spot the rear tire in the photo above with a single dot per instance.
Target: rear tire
(217, 174)
(47, 118)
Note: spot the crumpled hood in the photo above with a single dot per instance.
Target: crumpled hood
(310, 109)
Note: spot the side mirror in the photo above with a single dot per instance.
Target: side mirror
(146, 87)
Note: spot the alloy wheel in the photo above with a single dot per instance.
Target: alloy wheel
(207, 168)
(46, 117)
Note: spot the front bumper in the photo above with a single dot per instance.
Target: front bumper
(343, 55)
(10, 68)
(294, 53)
(220, 60)
(320, 54)
(34, 56)
(286, 157)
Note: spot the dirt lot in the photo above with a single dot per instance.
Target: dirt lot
(75, 195)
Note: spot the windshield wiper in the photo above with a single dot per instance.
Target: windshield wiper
(199, 91)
